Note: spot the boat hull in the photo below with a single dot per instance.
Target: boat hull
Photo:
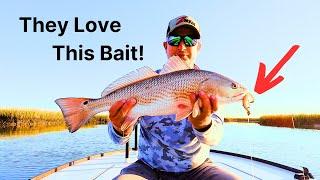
(108, 165)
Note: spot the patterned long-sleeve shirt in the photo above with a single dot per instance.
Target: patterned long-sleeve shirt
(170, 145)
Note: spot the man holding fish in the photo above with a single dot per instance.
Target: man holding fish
(174, 107)
(170, 149)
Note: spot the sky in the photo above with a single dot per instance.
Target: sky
(236, 37)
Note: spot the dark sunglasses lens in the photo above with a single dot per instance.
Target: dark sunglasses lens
(174, 40)
(189, 41)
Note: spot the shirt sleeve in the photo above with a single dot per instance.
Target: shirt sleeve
(213, 135)
(115, 137)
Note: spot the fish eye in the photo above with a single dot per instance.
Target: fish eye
(234, 86)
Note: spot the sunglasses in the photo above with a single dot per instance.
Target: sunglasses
(175, 40)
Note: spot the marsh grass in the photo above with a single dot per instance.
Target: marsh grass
(306, 121)
(14, 120)
(242, 120)
(13, 131)
(22, 119)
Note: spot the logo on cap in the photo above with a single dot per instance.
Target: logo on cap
(184, 19)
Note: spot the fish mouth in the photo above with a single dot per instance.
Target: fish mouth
(238, 95)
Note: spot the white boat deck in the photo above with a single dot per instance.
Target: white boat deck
(109, 165)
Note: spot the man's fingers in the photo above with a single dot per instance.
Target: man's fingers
(214, 104)
(193, 98)
(127, 106)
(115, 108)
(206, 106)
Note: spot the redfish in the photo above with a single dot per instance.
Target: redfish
(156, 94)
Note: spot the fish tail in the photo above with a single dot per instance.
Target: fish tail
(75, 112)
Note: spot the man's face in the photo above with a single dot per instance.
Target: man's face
(186, 53)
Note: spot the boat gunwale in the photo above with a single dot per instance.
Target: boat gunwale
(75, 162)
(95, 156)
(264, 161)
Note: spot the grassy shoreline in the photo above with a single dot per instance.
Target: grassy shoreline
(301, 121)
(33, 118)
(22, 119)
(241, 120)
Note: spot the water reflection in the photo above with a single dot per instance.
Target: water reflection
(11, 132)
(23, 158)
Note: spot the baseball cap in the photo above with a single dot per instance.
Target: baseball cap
(184, 21)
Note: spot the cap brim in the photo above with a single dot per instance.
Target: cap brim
(196, 32)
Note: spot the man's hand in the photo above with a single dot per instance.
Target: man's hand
(118, 113)
(208, 106)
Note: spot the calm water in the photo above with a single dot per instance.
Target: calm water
(25, 157)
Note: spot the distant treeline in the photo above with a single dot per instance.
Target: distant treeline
(304, 121)
(242, 120)
(28, 118)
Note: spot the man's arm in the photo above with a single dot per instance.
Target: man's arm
(208, 128)
(117, 137)
(212, 134)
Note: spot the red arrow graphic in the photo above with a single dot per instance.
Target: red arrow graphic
(264, 83)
